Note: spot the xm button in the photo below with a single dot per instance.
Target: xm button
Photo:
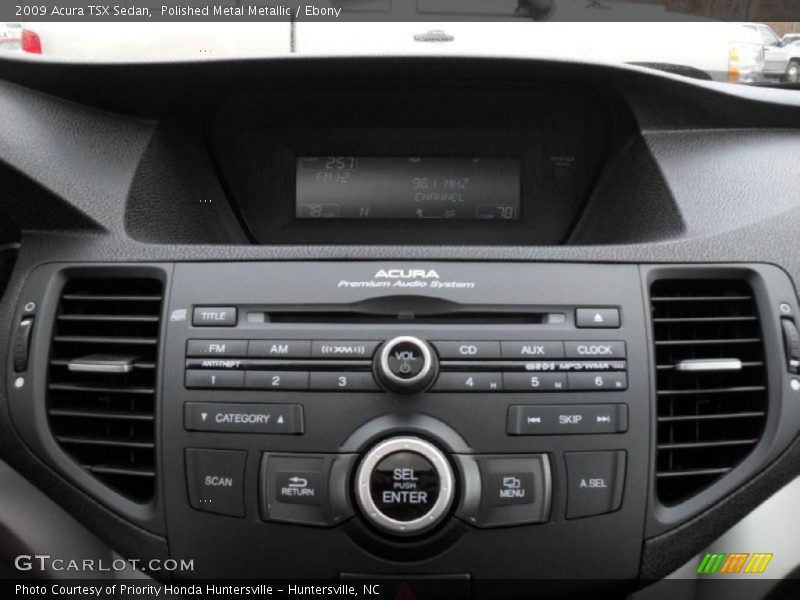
(404, 486)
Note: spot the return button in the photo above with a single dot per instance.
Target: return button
(284, 419)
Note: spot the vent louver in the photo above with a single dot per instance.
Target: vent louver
(710, 382)
(102, 380)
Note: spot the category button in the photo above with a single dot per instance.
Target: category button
(343, 349)
(467, 350)
(243, 418)
(469, 382)
(215, 480)
(527, 350)
(598, 381)
(279, 348)
(594, 350)
(214, 316)
(204, 348)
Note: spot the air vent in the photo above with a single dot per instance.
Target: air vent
(710, 382)
(102, 380)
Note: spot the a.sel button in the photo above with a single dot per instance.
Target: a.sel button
(215, 480)
(467, 350)
(597, 381)
(469, 382)
(556, 419)
(587, 350)
(595, 481)
(243, 418)
(535, 382)
(333, 381)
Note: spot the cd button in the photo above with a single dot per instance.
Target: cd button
(467, 350)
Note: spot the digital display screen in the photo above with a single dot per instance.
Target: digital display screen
(357, 187)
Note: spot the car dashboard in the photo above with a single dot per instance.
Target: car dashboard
(345, 318)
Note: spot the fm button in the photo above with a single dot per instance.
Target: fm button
(405, 365)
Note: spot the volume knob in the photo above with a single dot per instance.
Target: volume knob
(405, 365)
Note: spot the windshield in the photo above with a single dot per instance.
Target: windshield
(685, 38)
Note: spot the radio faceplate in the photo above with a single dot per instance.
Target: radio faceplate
(276, 397)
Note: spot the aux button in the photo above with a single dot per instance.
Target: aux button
(405, 365)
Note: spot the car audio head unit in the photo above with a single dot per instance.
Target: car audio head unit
(446, 418)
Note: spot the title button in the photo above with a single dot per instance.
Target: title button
(214, 316)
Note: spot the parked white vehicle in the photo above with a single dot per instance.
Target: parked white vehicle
(791, 45)
(156, 41)
(735, 52)
(10, 36)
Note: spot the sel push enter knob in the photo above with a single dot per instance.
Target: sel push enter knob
(405, 365)
(404, 486)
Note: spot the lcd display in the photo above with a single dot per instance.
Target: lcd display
(357, 187)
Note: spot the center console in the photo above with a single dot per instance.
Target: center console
(473, 421)
(401, 414)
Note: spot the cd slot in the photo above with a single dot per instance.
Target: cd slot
(403, 318)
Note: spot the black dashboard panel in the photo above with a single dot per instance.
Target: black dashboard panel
(168, 184)
(558, 136)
